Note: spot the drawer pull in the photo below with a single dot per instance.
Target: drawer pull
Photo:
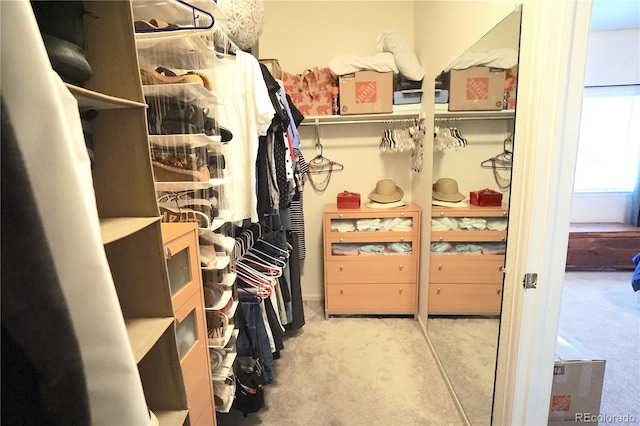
(400, 290)
(441, 238)
(402, 214)
(438, 291)
(340, 215)
(401, 239)
(341, 268)
(498, 291)
(341, 291)
(502, 239)
(439, 267)
(401, 267)
(341, 240)
(500, 268)
(504, 214)
(167, 253)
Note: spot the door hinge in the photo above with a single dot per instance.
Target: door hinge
(530, 280)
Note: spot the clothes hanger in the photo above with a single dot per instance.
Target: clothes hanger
(222, 45)
(321, 164)
(196, 16)
(502, 161)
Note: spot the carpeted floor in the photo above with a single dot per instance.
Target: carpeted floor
(467, 349)
(354, 371)
(379, 371)
(601, 312)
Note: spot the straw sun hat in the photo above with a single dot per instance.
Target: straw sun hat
(446, 189)
(386, 191)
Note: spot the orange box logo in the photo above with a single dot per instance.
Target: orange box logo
(366, 92)
(478, 88)
(561, 403)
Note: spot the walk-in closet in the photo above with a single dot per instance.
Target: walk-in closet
(276, 212)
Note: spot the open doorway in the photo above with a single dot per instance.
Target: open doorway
(600, 312)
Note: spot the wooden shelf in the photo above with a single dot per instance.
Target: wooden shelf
(95, 100)
(144, 333)
(171, 417)
(113, 229)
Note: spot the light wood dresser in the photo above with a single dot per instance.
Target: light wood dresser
(371, 259)
(466, 264)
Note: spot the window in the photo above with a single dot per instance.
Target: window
(609, 142)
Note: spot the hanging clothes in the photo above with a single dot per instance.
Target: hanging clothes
(244, 107)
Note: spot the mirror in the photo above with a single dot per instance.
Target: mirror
(468, 243)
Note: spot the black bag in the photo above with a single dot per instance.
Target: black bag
(60, 24)
(249, 396)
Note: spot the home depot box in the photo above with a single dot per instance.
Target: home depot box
(476, 89)
(366, 92)
(577, 385)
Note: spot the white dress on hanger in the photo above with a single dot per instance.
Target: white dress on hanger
(244, 107)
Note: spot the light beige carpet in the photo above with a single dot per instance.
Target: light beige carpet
(354, 371)
(467, 348)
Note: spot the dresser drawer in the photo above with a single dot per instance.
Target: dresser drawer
(465, 298)
(480, 269)
(365, 246)
(393, 269)
(371, 298)
(469, 236)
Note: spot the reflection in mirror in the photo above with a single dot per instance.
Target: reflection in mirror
(473, 143)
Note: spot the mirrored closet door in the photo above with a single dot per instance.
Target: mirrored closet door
(473, 146)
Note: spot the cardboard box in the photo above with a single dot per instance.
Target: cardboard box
(476, 89)
(366, 92)
(577, 385)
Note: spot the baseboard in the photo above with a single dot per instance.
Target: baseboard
(312, 298)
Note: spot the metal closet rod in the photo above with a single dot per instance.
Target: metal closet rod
(473, 118)
(384, 119)
(391, 121)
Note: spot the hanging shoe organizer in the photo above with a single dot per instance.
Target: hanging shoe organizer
(177, 44)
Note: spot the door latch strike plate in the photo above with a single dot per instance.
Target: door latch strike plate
(530, 280)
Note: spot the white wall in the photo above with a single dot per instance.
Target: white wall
(303, 34)
(613, 58)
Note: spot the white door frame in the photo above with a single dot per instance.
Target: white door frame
(551, 78)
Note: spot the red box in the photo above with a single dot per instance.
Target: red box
(348, 200)
(486, 198)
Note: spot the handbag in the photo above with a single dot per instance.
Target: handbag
(249, 395)
(310, 91)
(348, 200)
